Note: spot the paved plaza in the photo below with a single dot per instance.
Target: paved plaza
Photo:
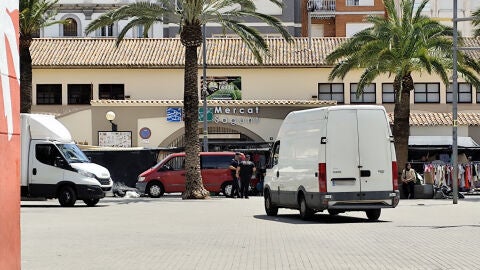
(220, 233)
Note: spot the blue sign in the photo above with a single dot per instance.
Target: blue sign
(174, 114)
(145, 133)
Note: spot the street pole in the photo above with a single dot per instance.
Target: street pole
(204, 90)
(454, 105)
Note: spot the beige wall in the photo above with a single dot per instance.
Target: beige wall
(267, 83)
(265, 128)
(462, 131)
(80, 125)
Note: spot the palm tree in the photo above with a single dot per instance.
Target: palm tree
(400, 45)
(476, 22)
(190, 15)
(34, 15)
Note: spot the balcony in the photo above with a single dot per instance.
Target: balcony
(321, 8)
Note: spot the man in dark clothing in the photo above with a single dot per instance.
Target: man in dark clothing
(233, 169)
(245, 170)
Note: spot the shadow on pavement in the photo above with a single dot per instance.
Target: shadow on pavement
(316, 219)
(441, 227)
(59, 206)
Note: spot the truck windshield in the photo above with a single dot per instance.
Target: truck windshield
(72, 153)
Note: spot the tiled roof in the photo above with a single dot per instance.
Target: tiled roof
(214, 102)
(169, 52)
(442, 119)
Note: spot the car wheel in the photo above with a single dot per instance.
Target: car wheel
(373, 214)
(67, 196)
(91, 202)
(155, 190)
(270, 209)
(227, 189)
(306, 212)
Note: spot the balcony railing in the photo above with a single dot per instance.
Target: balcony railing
(321, 5)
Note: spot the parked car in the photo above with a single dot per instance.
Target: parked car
(168, 176)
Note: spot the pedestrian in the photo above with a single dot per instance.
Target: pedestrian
(245, 170)
(409, 177)
(233, 169)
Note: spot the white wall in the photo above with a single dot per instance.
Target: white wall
(353, 28)
(267, 7)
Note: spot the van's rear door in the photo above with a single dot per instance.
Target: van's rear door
(342, 152)
(375, 151)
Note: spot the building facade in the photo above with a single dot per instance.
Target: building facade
(141, 81)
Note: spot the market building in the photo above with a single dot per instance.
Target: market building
(141, 81)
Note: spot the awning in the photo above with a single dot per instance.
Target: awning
(440, 142)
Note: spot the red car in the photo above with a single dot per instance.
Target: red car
(168, 176)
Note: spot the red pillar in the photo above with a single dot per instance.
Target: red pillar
(9, 137)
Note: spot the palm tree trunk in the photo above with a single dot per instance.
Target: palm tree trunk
(193, 183)
(25, 76)
(401, 125)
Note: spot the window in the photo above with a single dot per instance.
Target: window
(276, 153)
(111, 91)
(175, 164)
(368, 95)
(362, 3)
(49, 94)
(427, 92)
(388, 93)
(464, 93)
(79, 93)
(331, 91)
(140, 29)
(216, 162)
(47, 154)
(70, 28)
(353, 2)
(107, 31)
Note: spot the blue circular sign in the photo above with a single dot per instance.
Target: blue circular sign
(145, 133)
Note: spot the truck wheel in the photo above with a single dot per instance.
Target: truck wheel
(155, 190)
(91, 202)
(67, 196)
(306, 213)
(373, 214)
(227, 189)
(270, 209)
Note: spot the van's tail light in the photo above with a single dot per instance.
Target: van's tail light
(394, 175)
(322, 177)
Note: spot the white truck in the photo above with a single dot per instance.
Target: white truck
(339, 159)
(52, 166)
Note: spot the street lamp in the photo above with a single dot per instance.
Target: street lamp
(204, 90)
(110, 117)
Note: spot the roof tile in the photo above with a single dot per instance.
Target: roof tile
(442, 119)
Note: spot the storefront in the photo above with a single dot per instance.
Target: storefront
(232, 124)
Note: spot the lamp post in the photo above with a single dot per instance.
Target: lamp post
(110, 117)
(204, 91)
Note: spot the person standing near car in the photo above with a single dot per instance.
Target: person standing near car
(245, 170)
(233, 169)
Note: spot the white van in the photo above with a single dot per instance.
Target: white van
(52, 166)
(338, 158)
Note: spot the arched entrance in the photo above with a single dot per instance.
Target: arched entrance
(220, 138)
